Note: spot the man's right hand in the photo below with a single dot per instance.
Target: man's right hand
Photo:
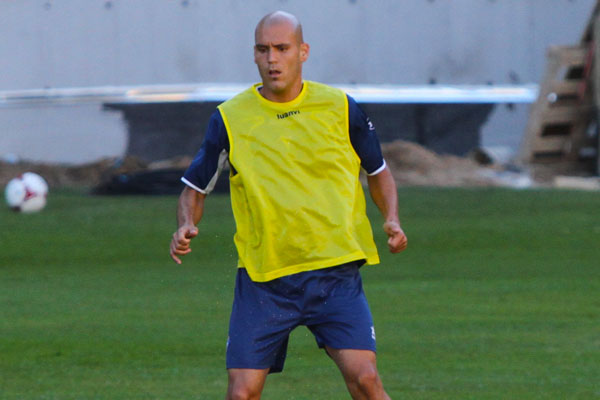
(180, 243)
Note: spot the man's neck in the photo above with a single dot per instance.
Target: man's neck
(283, 97)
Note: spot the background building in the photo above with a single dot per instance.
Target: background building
(71, 43)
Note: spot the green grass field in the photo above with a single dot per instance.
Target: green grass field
(497, 297)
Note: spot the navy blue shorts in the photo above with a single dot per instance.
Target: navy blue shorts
(330, 302)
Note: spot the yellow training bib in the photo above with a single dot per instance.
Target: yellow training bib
(296, 196)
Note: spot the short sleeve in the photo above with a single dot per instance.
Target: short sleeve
(364, 139)
(204, 170)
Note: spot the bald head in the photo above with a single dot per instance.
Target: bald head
(280, 18)
(279, 52)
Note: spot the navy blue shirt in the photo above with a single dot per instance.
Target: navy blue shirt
(206, 166)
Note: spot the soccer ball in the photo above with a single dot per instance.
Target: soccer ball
(26, 193)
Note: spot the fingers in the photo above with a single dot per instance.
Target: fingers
(176, 251)
(397, 243)
(180, 243)
(175, 258)
(397, 240)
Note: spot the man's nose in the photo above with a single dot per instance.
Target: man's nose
(271, 55)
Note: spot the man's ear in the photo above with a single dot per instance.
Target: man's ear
(304, 51)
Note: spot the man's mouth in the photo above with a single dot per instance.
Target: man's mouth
(274, 73)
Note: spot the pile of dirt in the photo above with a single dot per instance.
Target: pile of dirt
(58, 175)
(87, 175)
(411, 165)
(414, 165)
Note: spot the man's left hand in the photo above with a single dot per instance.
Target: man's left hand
(397, 240)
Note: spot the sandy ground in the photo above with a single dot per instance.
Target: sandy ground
(411, 165)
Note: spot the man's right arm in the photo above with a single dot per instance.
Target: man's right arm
(189, 213)
(199, 178)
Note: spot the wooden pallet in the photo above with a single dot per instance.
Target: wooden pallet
(589, 31)
(560, 118)
(566, 109)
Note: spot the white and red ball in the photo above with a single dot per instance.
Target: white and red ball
(26, 193)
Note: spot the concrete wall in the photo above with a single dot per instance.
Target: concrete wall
(65, 43)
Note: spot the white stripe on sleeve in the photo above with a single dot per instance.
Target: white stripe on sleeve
(223, 159)
(378, 170)
(190, 184)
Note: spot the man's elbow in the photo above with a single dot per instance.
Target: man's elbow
(381, 175)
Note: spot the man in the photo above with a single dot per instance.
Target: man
(295, 149)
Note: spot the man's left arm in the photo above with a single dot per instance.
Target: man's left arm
(381, 183)
(385, 195)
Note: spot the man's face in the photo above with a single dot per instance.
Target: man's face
(279, 57)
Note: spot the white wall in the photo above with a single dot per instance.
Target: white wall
(66, 134)
(63, 43)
